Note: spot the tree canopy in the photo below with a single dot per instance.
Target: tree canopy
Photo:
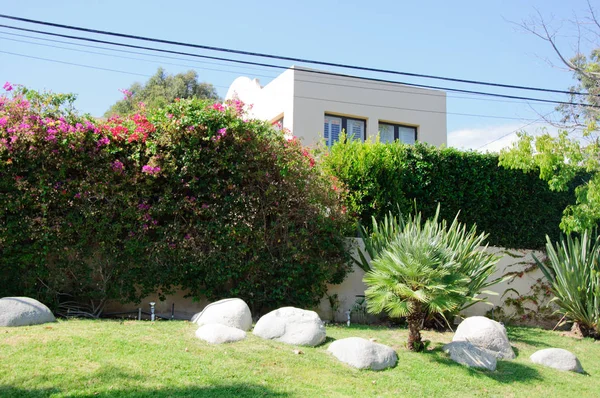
(160, 90)
(562, 159)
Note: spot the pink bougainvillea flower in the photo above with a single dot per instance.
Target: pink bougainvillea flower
(218, 107)
(103, 141)
(117, 166)
(126, 93)
(3, 121)
(150, 170)
(7, 86)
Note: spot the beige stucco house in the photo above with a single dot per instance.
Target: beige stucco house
(317, 105)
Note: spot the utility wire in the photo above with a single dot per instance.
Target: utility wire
(222, 64)
(296, 68)
(312, 98)
(285, 58)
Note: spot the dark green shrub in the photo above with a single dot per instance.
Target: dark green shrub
(191, 195)
(515, 208)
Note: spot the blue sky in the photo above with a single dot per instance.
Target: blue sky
(464, 39)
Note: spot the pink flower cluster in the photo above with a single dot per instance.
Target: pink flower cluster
(150, 169)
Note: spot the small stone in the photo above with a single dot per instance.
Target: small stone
(363, 354)
(470, 355)
(485, 333)
(557, 358)
(292, 326)
(233, 312)
(298, 352)
(218, 334)
(23, 311)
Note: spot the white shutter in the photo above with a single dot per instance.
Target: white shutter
(332, 129)
(407, 134)
(386, 133)
(356, 129)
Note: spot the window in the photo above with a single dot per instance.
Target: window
(389, 132)
(278, 124)
(333, 126)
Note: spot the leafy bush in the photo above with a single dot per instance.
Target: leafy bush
(574, 275)
(515, 208)
(428, 268)
(190, 195)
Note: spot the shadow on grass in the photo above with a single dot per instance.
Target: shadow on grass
(233, 390)
(506, 371)
(525, 336)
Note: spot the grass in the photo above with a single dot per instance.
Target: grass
(82, 358)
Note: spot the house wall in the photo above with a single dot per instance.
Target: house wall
(303, 98)
(315, 95)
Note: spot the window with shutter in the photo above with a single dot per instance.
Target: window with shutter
(356, 129)
(389, 132)
(407, 135)
(386, 133)
(332, 129)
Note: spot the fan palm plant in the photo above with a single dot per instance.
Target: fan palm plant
(427, 268)
(574, 275)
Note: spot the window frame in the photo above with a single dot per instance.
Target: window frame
(397, 130)
(344, 126)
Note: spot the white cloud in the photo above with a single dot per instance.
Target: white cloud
(494, 138)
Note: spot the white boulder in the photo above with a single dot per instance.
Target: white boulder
(23, 311)
(363, 354)
(292, 326)
(215, 333)
(467, 354)
(557, 358)
(485, 333)
(232, 312)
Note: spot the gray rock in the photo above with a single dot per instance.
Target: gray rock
(292, 326)
(363, 354)
(232, 312)
(485, 333)
(467, 354)
(218, 334)
(23, 311)
(557, 358)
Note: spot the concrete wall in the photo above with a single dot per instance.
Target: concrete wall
(511, 261)
(303, 98)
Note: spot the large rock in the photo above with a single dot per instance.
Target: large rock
(467, 354)
(363, 354)
(292, 326)
(23, 311)
(232, 312)
(485, 333)
(557, 358)
(218, 334)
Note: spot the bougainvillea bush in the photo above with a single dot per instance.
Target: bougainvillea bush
(191, 195)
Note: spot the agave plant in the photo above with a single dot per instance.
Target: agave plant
(425, 268)
(574, 275)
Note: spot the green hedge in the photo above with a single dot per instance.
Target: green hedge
(517, 209)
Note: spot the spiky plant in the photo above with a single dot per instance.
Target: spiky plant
(574, 275)
(427, 268)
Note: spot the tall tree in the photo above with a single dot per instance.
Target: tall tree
(560, 159)
(161, 89)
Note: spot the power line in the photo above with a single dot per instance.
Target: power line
(219, 70)
(286, 58)
(298, 69)
(75, 64)
(313, 98)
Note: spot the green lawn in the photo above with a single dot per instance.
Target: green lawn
(164, 359)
